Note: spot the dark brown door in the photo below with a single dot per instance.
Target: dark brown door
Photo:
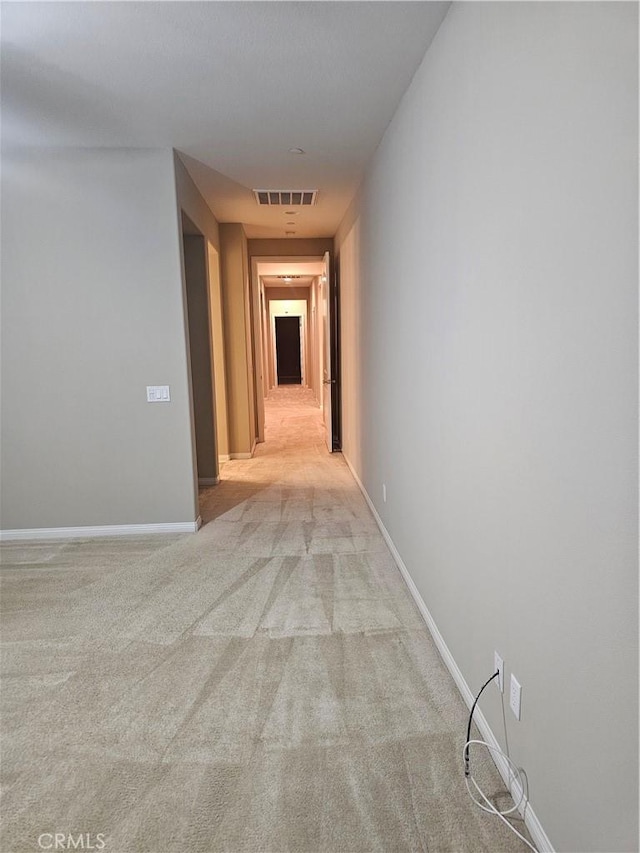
(288, 350)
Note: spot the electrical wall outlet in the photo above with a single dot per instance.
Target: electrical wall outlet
(514, 696)
(384, 493)
(498, 666)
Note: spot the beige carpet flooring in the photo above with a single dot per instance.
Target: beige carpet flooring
(264, 685)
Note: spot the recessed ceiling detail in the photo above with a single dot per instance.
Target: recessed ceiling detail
(271, 198)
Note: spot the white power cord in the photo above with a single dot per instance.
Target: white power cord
(468, 778)
(489, 807)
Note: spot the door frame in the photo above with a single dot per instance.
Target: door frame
(330, 305)
(301, 326)
(202, 397)
(303, 315)
(258, 331)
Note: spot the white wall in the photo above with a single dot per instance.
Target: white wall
(190, 201)
(92, 313)
(489, 275)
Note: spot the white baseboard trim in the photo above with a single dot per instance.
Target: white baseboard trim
(224, 457)
(241, 455)
(103, 530)
(540, 838)
(208, 481)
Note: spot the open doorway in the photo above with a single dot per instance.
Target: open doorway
(290, 350)
(206, 353)
(294, 287)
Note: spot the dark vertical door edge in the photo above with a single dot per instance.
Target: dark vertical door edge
(336, 389)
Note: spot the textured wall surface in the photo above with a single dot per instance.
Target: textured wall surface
(491, 296)
(92, 313)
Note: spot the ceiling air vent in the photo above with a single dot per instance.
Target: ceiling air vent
(288, 198)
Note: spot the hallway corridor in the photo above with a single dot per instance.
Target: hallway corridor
(264, 685)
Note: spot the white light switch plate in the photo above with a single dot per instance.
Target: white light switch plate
(158, 394)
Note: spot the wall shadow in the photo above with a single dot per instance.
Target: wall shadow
(215, 501)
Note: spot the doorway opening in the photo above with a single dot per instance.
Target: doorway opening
(288, 349)
(206, 354)
(295, 329)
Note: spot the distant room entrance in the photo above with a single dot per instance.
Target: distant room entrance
(288, 350)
